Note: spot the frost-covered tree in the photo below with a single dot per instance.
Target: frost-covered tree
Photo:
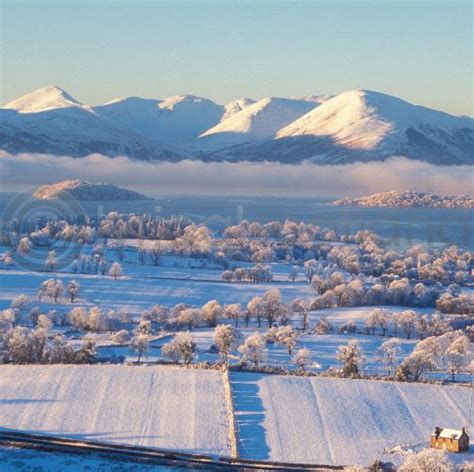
(19, 345)
(186, 346)
(96, 321)
(144, 326)
(294, 273)
(7, 259)
(310, 269)
(52, 288)
(286, 336)
(351, 357)
(458, 355)
(44, 322)
(428, 460)
(416, 364)
(160, 314)
(301, 307)
(19, 302)
(78, 318)
(188, 317)
(34, 314)
(24, 246)
(115, 270)
(407, 321)
(255, 309)
(51, 261)
(349, 327)
(73, 288)
(233, 312)
(181, 346)
(302, 359)
(170, 351)
(388, 354)
(59, 351)
(323, 326)
(87, 353)
(120, 337)
(273, 307)
(228, 276)
(140, 343)
(377, 318)
(156, 251)
(253, 349)
(226, 338)
(439, 325)
(422, 326)
(212, 312)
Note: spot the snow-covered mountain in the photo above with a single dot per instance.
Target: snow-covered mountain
(361, 125)
(261, 120)
(50, 121)
(357, 125)
(45, 99)
(170, 122)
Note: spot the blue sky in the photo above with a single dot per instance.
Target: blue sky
(97, 50)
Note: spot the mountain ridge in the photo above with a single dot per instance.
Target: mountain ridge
(356, 125)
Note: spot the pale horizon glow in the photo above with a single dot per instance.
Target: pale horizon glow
(420, 51)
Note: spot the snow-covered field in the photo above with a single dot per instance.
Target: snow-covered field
(20, 460)
(140, 293)
(281, 418)
(166, 407)
(340, 421)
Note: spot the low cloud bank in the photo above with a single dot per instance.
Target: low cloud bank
(241, 178)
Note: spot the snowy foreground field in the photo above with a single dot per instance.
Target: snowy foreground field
(168, 407)
(295, 419)
(339, 421)
(14, 460)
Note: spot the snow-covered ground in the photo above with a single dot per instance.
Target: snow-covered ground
(140, 293)
(21, 460)
(166, 407)
(282, 418)
(340, 421)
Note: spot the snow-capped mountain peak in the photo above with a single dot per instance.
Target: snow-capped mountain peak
(236, 106)
(261, 120)
(357, 125)
(171, 103)
(366, 120)
(46, 98)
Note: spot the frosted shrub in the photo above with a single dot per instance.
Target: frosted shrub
(428, 460)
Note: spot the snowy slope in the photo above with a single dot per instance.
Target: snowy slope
(339, 421)
(44, 99)
(260, 120)
(365, 125)
(172, 121)
(166, 407)
(235, 107)
(49, 120)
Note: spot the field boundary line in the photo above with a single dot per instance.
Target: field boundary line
(233, 433)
